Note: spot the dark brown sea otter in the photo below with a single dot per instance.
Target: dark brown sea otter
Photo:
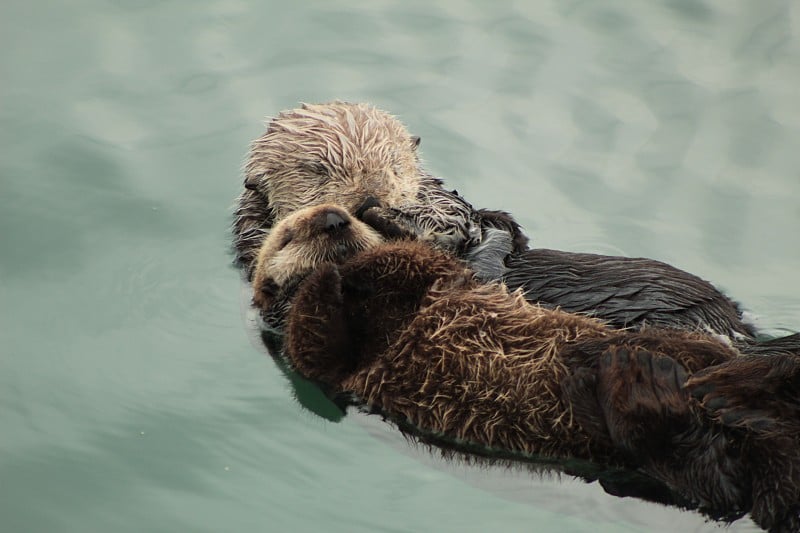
(364, 159)
(413, 334)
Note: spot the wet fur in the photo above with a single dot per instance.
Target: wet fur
(418, 338)
(624, 291)
(412, 333)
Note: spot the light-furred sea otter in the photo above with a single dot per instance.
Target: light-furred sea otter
(365, 160)
(409, 331)
(356, 156)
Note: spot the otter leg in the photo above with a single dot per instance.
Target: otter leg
(757, 393)
(317, 338)
(642, 398)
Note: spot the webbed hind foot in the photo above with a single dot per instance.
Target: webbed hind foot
(757, 393)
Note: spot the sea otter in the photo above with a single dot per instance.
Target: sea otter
(410, 331)
(355, 156)
(364, 159)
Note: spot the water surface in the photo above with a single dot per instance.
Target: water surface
(133, 396)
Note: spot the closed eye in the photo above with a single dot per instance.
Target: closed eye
(317, 168)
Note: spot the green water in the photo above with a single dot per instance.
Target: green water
(133, 396)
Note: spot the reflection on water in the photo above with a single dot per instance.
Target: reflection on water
(131, 396)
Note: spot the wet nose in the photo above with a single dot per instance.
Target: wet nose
(369, 201)
(335, 222)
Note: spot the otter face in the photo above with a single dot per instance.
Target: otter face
(303, 241)
(334, 153)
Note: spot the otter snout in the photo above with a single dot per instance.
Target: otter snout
(334, 222)
(330, 220)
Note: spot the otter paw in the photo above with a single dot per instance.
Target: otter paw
(641, 396)
(317, 307)
(328, 282)
(390, 223)
(317, 338)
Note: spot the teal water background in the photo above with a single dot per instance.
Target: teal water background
(133, 396)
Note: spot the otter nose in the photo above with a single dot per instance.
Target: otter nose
(334, 222)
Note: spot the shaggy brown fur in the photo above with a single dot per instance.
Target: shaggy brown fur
(410, 332)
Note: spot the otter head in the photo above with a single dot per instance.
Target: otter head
(337, 152)
(300, 243)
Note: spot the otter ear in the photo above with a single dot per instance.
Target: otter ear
(415, 140)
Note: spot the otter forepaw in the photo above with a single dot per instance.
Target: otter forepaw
(318, 338)
(328, 282)
(641, 396)
(390, 223)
